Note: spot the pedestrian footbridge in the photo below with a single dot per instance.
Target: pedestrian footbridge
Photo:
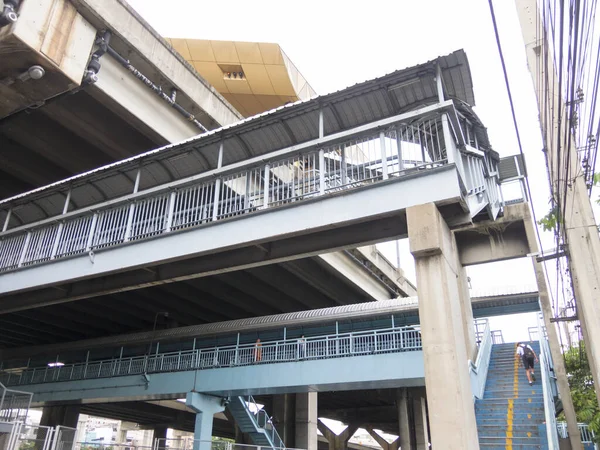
(276, 187)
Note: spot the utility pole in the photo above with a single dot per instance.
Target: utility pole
(579, 228)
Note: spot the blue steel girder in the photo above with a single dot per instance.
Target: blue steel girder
(374, 371)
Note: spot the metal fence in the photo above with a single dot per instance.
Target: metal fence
(189, 443)
(389, 340)
(587, 435)
(548, 389)
(26, 437)
(225, 193)
(14, 405)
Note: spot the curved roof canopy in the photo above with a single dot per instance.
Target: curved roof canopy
(369, 101)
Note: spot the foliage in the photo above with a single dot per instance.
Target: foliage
(549, 221)
(581, 384)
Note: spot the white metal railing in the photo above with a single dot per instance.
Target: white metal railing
(243, 188)
(478, 370)
(389, 340)
(14, 405)
(587, 435)
(189, 443)
(549, 407)
(25, 437)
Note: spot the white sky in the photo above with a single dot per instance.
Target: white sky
(336, 44)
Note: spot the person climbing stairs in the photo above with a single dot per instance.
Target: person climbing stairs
(511, 413)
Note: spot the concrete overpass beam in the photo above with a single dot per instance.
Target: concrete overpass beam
(206, 407)
(452, 414)
(356, 275)
(306, 420)
(138, 103)
(148, 46)
(338, 441)
(53, 35)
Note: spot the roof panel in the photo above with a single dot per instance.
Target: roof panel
(355, 105)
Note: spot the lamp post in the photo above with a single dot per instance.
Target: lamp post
(161, 313)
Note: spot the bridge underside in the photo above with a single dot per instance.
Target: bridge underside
(279, 288)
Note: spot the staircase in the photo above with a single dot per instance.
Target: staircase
(511, 413)
(255, 422)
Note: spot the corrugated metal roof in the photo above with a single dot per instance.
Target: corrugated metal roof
(365, 102)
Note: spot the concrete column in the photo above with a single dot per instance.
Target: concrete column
(449, 396)
(385, 445)
(160, 432)
(64, 415)
(402, 401)
(338, 441)
(306, 421)
(420, 423)
(205, 407)
(284, 417)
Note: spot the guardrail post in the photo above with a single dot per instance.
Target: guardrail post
(322, 170)
(267, 185)
(90, 239)
(170, 210)
(351, 344)
(25, 247)
(344, 165)
(215, 213)
(399, 145)
(384, 166)
(129, 222)
(57, 240)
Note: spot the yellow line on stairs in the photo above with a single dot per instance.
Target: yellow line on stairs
(511, 406)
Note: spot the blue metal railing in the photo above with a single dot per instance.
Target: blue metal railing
(263, 421)
(478, 370)
(549, 406)
(397, 339)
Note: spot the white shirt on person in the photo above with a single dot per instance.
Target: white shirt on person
(521, 349)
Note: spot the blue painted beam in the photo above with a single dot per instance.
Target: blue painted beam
(379, 371)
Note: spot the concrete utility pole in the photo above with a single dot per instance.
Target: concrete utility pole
(579, 229)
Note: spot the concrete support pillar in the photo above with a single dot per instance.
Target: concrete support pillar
(420, 423)
(205, 407)
(449, 396)
(306, 421)
(404, 416)
(338, 441)
(284, 417)
(159, 436)
(64, 415)
(385, 445)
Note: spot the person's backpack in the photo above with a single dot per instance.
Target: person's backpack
(528, 352)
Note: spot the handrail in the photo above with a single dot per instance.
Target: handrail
(271, 180)
(274, 438)
(549, 407)
(389, 340)
(478, 370)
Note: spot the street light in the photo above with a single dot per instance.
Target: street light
(164, 314)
